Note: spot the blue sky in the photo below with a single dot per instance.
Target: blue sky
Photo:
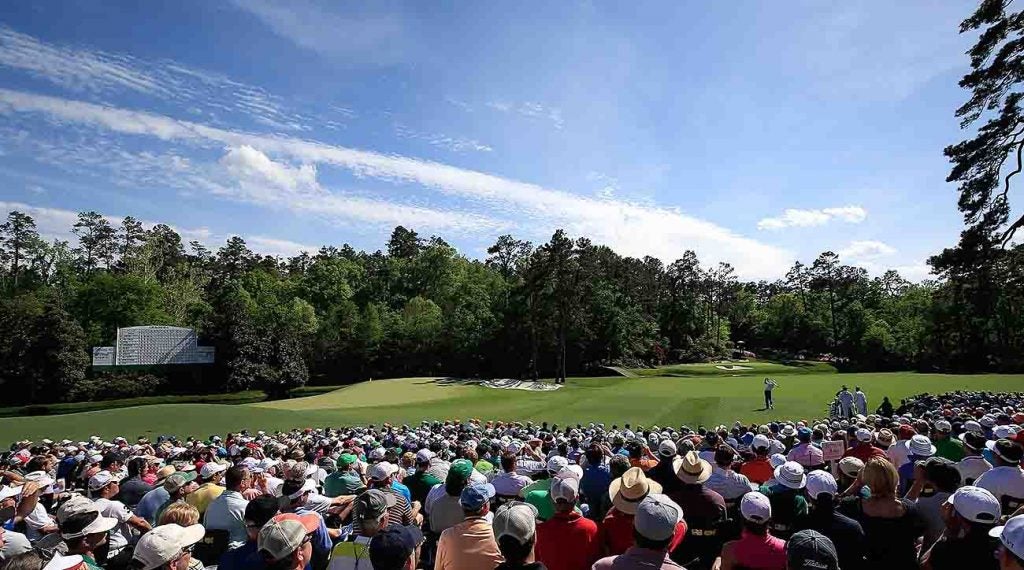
(756, 133)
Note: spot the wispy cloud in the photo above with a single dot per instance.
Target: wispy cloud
(100, 73)
(630, 228)
(439, 140)
(797, 218)
(531, 110)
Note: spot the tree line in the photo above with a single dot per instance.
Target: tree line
(419, 307)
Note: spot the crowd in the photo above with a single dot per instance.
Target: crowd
(934, 483)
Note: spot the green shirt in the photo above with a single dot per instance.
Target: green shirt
(90, 562)
(542, 485)
(342, 483)
(951, 449)
(420, 483)
(542, 500)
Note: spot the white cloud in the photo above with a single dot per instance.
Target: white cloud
(277, 247)
(798, 218)
(100, 73)
(454, 144)
(865, 250)
(531, 110)
(630, 228)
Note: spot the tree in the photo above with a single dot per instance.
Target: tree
(507, 255)
(823, 274)
(17, 237)
(404, 244)
(997, 70)
(96, 238)
(130, 238)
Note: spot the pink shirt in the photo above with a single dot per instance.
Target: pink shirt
(760, 552)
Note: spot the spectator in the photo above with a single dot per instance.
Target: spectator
(227, 512)
(443, 506)
(167, 547)
(134, 487)
(285, 541)
(920, 448)
(177, 486)
(294, 500)
(664, 472)
(945, 446)
(941, 477)
(758, 469)
(104, 486)
(653, 529)
(381, 476)
(212, 474)
(344, 481)
(811, 550)
(508, 483)
(151, 502)
(567, 527)
(1005, 480)
(1011, 544)
(180, 513)
(891, 525)
(470, 545)
(973, 465)
(724, 481)
(420, 482)
(371, 513)
(625, 492)
(247, 557)
(970, 515)
(847, 534)
(806, 453)
(515, 530)
(554, 464)
(786, 497)
(396, 548)
(84, 531)
(705, 511)
(862, 447)
(756, 548)
(899, 452)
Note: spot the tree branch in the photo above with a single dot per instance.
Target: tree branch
(1008, 234)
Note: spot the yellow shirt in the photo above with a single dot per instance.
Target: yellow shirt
(203, 496)
(468, 545)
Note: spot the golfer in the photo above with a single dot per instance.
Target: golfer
(769, 385)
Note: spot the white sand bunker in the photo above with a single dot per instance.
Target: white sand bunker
(734, 367)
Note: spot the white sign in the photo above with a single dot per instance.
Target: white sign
(832, 450)
(149, 345)
(102, 356)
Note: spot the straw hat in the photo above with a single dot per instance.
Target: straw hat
(692, 469)
(627, 491)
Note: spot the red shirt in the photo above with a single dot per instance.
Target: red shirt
(617, 533)
(759, 470)
(864, 452)
(567, 541)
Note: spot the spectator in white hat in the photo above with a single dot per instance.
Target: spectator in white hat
(285, 542)
(84, 530)
(787, 497)
(654, 526)
(756, 547)
(567, 526)
(167, 547)
(758, 469)
(380, 476)
(421, 481)
(846, 533)
(973, 465)
(920, 448)
(515, 530)
(1006, 479)
(103, 486)
(945, 446)
(1011, 544)
(212, 474)
(970, 514)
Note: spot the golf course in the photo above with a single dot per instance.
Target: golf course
(691, 394)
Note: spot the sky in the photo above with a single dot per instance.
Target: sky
(754, 133)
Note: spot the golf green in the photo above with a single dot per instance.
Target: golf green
(709, 395)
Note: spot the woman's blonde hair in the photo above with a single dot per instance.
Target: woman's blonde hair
(180, 513)
(881, 477)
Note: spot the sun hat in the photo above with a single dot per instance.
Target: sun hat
(40, 478)
(976, 504)
(1006, 450)
(921, 446)
(284, 533)
(163, 544)
(392, 547)
(627, 491)
(1004, 432)
(776, 459)
(851, 466)
(518, 520)
(691, 469)
(973, 426)
(973, 440)
(907, 431)
(943, 426)
(755, 507)
(556, 463)
(8, 492)
(565, 489)
(863, 435)
(1011, 535)
(885, 437)
(212, 468)
(474, 497)
(373, 503)
(791, 474)
(667, 448)
(819, 482)
(811, 550)
(656, 517)
(178, 480)
(72, 562)
(101, 480)
(84, 523)
(788, 431)
(381, 471)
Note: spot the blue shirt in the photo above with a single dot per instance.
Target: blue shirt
(595, 482)
(321, 540)
(245, 557)
(401, 488)
(151, 502)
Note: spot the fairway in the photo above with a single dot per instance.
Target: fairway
(706, 397)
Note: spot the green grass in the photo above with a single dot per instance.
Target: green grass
(647, 400)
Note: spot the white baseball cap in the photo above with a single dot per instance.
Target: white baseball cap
(164, 544)
(760, 441)
(556, 463)
(667, 448)
(863, 435)
(1011, 535)
(819, 482)
(424, 456)
(518, 520)
(381, 471)
(975, 504)
(59, 562)
(565, 488)
(212, 468)
(101, 480)
(756, 507)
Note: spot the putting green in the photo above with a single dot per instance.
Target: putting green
(700, 399)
